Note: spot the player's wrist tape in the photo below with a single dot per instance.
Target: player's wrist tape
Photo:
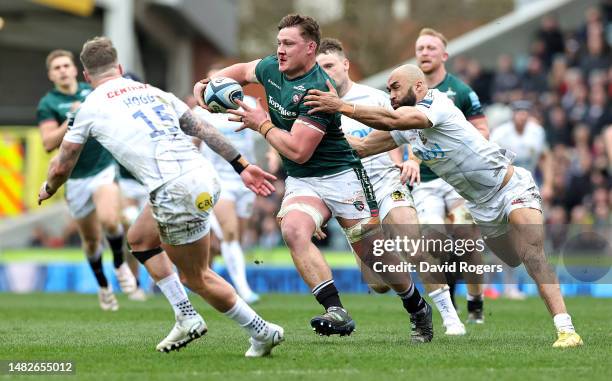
(48, 189)
(265, 127)
(239, 164)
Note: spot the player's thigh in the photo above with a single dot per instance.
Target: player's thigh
(302, 210)
(430, 205)
(107, 199)
(225, 212)
(182, 208)
(300, 217)
(394, 200)
(402, 222)
(245, 200)
(143, 234)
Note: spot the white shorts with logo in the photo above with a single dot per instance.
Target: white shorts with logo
(182, 206)
(434, 200)
(521, 191)
(79, 192)
(344, 193)
(390, 193)
(240, 195)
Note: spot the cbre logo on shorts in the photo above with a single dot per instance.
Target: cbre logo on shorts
(204, 201)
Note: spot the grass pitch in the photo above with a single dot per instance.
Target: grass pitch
(515, 343)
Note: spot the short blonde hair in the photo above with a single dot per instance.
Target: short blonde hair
(434, 33)
(58, 53)
(98, 55)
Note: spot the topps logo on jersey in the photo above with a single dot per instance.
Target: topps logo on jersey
(221, 94)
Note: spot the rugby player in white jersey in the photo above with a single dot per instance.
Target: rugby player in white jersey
(146, 129)
(436, 201)
(395, 203)
(91, 192)
(235, 205)
(503, 199)
(527, 139)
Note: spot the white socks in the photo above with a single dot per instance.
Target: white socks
(563, 323)
(174, 291)
(234, 261)
(248, 319)
(442, 300)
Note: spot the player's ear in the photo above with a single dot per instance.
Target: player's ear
(86, 76)
(347, 64)
(312, 48)
(445, 56)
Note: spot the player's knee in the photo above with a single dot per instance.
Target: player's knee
(111, 224)
(230, 235)
(91, 245)
(295, 234)
(366, 228)
(136, 240)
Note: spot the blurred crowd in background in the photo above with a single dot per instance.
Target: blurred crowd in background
(567, 77)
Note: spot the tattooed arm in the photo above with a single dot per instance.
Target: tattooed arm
(255, 178)
(194, 126)
(60, 169)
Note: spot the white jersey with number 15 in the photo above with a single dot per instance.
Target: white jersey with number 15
(139, 125)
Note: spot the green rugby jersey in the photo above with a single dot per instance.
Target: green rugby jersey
(286, 104)
(55, 105)
(465, 99)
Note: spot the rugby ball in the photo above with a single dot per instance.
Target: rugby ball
(221, 94)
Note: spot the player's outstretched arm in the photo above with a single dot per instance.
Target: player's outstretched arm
(253, 177)
(60, 169)
(242, 73)
(376, 142)
(201, 129)
(379, 118)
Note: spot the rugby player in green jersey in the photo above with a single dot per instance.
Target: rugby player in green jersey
(325, 177)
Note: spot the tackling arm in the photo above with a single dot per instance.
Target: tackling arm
(380, 118)
(375, 142)
(196, 127)
(252, 176)
(62, 165)
(377, 117)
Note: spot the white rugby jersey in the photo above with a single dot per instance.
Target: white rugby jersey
(528, 146)
(368, 96)
(139, 125)
(244, 141)
(455, 150)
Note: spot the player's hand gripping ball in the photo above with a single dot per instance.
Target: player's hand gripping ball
(221, 94)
